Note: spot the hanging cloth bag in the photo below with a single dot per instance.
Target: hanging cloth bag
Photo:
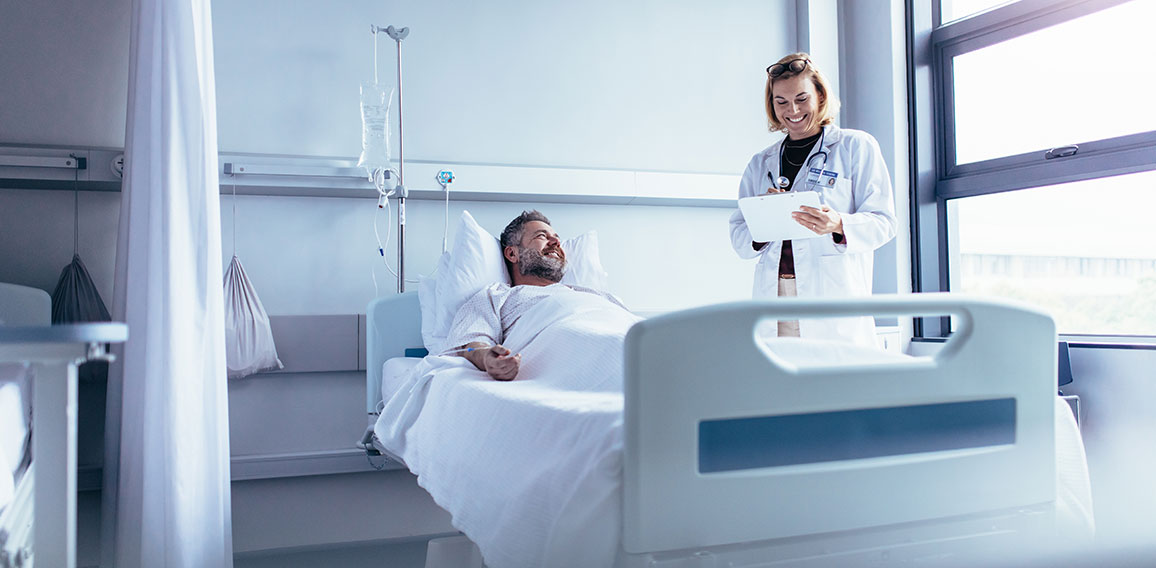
(249, 346)
(76, 300)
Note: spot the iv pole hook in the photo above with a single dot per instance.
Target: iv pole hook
(396, 34)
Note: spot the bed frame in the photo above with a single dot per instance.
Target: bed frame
(959, 447)
(40, 523)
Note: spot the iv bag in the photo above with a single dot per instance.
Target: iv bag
(249, 346)
(375, 103)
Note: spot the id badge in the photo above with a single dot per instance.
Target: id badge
(813, 176)
(828, 178)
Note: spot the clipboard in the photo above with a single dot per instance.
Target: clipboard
(769, 216)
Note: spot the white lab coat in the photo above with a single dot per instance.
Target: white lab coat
(862, 194)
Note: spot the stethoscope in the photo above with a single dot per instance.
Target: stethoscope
(811, 180)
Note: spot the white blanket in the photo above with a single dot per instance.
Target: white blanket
(531, 470)
(524, 466)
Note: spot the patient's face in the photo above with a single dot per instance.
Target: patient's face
(541, 252)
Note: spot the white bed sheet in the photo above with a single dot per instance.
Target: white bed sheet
(395, 373)
(531, 470)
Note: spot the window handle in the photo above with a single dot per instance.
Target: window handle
(1062, 152)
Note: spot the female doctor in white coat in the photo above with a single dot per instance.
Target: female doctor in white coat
(857, 214)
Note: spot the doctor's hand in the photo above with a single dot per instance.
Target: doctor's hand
(822, 221)
(500, 364)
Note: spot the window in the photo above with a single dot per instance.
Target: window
(1046, 88)
(1079, 250)
(1034, 157)
(955, 9)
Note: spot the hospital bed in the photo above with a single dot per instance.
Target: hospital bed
(728, 450)
(38, 435)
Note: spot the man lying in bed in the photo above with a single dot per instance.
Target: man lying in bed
(536, 262)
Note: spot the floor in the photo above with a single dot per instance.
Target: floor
(409, 554)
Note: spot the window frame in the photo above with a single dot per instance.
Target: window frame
(937, 178)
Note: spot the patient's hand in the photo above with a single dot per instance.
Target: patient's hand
(500, 364)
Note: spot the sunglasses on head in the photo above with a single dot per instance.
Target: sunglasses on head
(794, 66)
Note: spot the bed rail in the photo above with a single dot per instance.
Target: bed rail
(392, 325)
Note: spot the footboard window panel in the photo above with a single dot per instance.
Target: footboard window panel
(793, 439)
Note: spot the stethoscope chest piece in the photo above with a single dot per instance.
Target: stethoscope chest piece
(783, 182)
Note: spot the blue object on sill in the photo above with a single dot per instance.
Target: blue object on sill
(1064, 373)
(416, 352)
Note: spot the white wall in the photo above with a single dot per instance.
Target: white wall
(671, 85)
(874, 99)
(65, 70)
(318, 256)
(667, 86)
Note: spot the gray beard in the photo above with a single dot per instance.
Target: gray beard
(532, 263)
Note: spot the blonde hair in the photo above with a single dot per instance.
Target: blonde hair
(828, 103)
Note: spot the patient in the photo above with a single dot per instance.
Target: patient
(536, 262)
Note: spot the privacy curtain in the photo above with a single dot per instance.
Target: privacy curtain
(166, 473)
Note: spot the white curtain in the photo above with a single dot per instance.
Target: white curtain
(166, 474)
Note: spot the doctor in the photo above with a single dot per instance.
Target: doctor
(857, 214)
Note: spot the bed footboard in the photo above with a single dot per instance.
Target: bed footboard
(726, 442)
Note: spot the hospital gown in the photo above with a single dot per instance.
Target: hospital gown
(490, 315)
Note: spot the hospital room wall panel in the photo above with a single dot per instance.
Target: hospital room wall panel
(380, 514)
(37, 236)
(292, 413)
(316, 343)
(336, 509)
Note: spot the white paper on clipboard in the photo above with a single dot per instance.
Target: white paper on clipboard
(769, 216)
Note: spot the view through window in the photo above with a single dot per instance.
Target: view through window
(956, 9)
(1047, 88)
(1084, 251)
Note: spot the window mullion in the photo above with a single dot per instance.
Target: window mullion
(1023, 173)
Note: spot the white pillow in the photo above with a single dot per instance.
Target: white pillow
(427, 294)
(583, 266)
(475, 261)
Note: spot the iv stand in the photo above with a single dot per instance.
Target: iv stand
(400, 191)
